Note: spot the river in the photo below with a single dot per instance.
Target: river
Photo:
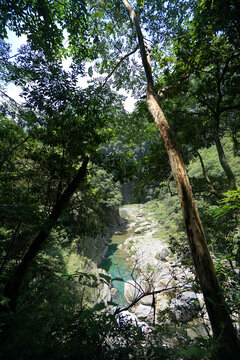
(117, 266)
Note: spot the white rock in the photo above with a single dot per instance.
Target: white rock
(141, 229)
(131, 291)
(162, 254)
(162, 303)
(143, 311)
(147, 300)
(162, 279)
(105, 294)
(114, 292)
(144, 327)
(125, 318)
(146, 223)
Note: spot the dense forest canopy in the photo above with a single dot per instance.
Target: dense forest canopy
(70, 155)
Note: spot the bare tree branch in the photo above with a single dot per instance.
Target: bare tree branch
(118, 64)
(11, 99)
(229, 108)
(212, 189)
(175, 87)
(146, 293)
(227, 65)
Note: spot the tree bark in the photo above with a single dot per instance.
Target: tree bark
(225, 164)
(223, 330)
(14, 284)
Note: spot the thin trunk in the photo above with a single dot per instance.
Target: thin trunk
(236, 145)
(5, 259)
(225, 164)
(221, 323)
(212, 189)
(14, 284)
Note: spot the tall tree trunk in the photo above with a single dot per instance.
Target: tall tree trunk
(14, 284)
(221, 323)
(225, 164)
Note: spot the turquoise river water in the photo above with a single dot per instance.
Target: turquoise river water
(119, 267)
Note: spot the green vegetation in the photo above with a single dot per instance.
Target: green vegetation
(70, 155)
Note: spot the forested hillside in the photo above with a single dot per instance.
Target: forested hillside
(72, 159)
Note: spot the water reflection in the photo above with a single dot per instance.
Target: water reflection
(118, 266)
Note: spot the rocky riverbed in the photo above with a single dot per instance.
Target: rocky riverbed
(159, 270)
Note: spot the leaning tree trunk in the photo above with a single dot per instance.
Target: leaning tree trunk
(221, 323)
(225, 165)
(14, 284)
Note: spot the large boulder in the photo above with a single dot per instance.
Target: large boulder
(163, 278)
(104, 294)
(147, 300)
(131, 291)
(126, 319)
(162, 303)
(162, 254)
(114, 292)
(143, 311)
(112, 217)
(142, 229)
(185, 306)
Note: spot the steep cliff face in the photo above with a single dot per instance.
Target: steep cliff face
(95, 247)
(112, 217)
(93, 284)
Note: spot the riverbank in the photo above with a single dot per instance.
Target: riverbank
(159, 270)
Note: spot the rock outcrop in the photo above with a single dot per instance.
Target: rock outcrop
(160, 271)
(185, 306)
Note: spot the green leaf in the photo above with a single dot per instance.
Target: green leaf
(105, 277)
(106, 268)
(99, 14)
(90, 71)
(112, 303)
(118, 279)
(99, 307)
(193, 352)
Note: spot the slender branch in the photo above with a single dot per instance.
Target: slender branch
(149, 41)
(118, 64)
(10, 57)
(193, 113)
(229, 108)
(204, 103)
(59, 2)
(212, 189)
(227, 65)
(147, 293)
(146, 64)
(220, 95)
(177, 37)
(11, 99)
(175, 87)
(6, 155)
(10, 247)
